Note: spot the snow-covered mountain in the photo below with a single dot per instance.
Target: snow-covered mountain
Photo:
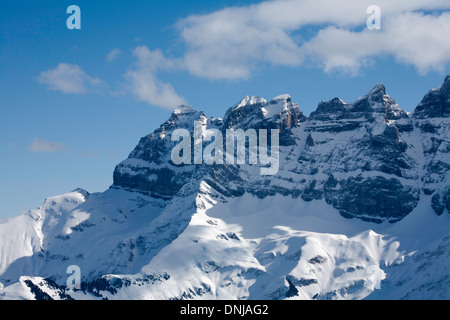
(358, 209)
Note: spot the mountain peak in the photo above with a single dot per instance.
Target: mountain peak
(182, 117)
(81, 191)
(374, 102)
(245, 111)
(380, 86)
(376, 96)
(446, 84)
(282, 97)
(436, 103)
(184, 109)
(248, 101)
(379, 91)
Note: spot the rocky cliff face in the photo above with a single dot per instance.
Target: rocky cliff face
(432, 120)
(149, 168)
(368, 159)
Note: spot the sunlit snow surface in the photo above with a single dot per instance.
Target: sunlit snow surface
(238, 248)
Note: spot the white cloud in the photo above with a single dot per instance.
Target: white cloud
(68, 78)
(39, 145)
(420, 40)
(412, 38)
(113, 54)
(234, 42)
(144, 83)
(229, 44)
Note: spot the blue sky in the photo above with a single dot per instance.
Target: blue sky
(74, 103)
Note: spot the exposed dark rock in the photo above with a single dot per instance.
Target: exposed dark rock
(436, 104)
(372, 199)
(317, 260)
(365, 136)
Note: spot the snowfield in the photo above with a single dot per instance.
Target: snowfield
(242, 248)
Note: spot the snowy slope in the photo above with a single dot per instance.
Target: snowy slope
(298, 250)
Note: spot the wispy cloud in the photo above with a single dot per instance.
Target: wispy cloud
(39, 145)
(113, 54)
(145, 85)
(69, 78)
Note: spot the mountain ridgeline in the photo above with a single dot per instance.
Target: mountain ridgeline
(368, 159)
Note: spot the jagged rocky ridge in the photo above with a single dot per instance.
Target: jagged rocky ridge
(224, 231)
(368, 159)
